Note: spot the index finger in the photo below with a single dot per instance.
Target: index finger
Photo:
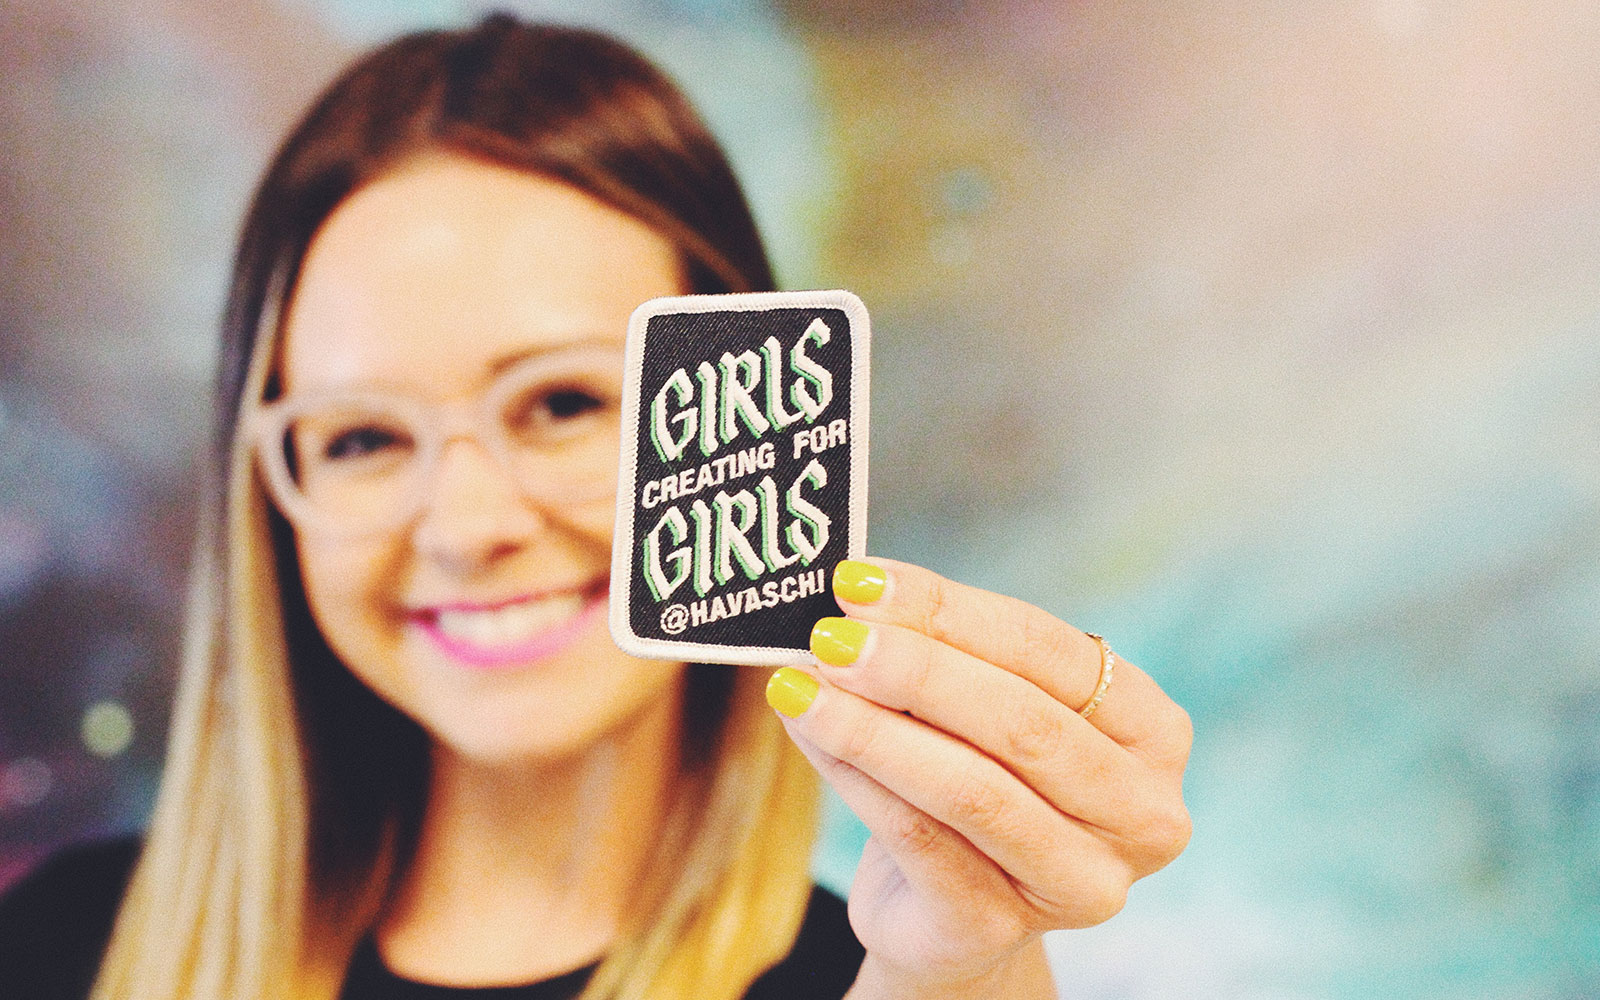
(1020, 638)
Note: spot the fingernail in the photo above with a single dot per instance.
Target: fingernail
(858, 582)
(838, 642)
(791, 691)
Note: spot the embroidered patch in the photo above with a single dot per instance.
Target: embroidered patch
(743, 478)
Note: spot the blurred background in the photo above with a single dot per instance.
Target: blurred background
(1262, 337)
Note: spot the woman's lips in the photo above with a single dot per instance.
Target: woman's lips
(511, 633)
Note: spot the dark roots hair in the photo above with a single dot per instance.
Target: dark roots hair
(568, 104)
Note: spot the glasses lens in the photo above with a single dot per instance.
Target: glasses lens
(350, 463)
(560, 428)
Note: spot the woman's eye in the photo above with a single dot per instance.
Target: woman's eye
(564, 404)
(560, 415)
(553, 409)
(358, 443)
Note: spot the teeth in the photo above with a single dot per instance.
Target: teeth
(512, 624)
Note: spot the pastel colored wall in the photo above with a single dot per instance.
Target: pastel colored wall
(1263, 338)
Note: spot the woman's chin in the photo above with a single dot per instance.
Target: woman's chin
(540, 709)
(542, 732)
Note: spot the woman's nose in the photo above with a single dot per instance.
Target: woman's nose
(474, 511)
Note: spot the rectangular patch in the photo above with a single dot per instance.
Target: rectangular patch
(743, 477)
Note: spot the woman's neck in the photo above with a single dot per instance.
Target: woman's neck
(523, 871)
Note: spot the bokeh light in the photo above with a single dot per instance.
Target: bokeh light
(25, 782)
(107, 729)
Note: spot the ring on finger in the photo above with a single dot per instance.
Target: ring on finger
(1108, 660)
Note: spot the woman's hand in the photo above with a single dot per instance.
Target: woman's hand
(947, 718)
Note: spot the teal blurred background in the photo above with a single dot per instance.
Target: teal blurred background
(1262, 337)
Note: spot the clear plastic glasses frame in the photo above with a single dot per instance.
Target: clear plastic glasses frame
(362, 462)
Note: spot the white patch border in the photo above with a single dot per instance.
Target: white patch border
(622, 544)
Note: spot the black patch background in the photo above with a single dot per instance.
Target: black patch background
(683, 340)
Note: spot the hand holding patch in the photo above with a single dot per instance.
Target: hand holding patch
(743, 476)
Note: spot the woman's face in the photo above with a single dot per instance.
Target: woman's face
(484, 616)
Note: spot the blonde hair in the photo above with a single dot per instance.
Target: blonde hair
(222, 903)
(249, 886)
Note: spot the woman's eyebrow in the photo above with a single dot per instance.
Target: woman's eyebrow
(507, 361)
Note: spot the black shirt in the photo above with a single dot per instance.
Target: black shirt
(55, 923)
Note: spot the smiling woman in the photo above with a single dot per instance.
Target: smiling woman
(500, 564)
(407, 758)
(405, 741)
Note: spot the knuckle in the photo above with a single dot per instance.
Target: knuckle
(1182, 730)
(1035, 735)
(1168, 748)
(1045, 640)
(858, 734)
(917, 667)
(1160, 837)
(1104, 770)
(1179, 729)
(1176, 827)
(937, 608)
(1108, 901)
(975, 802)
(913, 832)
(1104, 895)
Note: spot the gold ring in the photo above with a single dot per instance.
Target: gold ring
(1108, 660)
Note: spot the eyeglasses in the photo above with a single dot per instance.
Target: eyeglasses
(361, 462)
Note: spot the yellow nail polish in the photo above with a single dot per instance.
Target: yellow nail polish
(791, 691)
(858, 582)
(838, 641)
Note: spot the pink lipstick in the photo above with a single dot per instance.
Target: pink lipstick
(514, 633)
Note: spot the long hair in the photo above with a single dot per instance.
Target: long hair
(292, 794)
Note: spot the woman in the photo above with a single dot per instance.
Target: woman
(406, 751)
